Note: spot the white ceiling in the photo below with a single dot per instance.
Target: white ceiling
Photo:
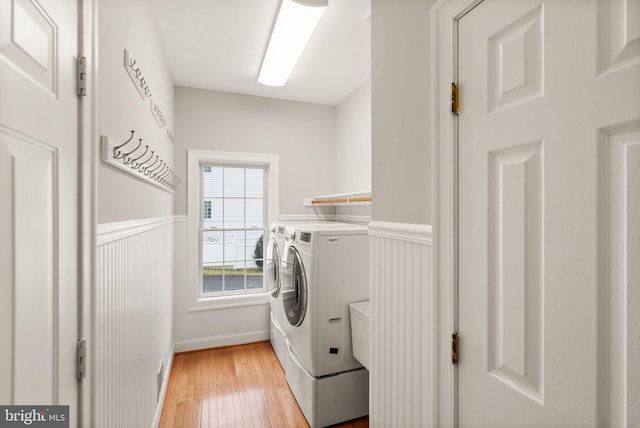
(219, 45)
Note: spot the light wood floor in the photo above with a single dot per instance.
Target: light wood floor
(237, 386)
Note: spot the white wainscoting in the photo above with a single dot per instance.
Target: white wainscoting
(132, 321)
(403, 377)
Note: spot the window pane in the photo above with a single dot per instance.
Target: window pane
(255, 179)
(233, 212)
(255, 213)
(254, 278)
(234, 248)
(212, 183)
(212, 249)
(233, 182)
(254, 249)
(233, 198)
(212, 279)
(216, 214)
(234, 276)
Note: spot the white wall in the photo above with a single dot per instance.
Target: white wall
(401, 140)
(128, 24)
(303, 134)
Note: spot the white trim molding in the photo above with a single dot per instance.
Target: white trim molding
(195, 159)
(444, 57)
(403, 376)
(418, 233)
(109, 232)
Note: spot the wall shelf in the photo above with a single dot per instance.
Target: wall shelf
(340, 199)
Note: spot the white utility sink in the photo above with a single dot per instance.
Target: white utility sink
(360, 314)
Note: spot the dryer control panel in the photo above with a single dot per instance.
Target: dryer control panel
(305, 236)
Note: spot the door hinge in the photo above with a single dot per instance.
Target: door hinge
(81, 359)
(455, 348)
(454, 98)
(82, 76)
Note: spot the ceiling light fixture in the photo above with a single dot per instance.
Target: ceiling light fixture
(296, 21)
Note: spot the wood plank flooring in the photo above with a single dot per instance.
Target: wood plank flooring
(236, 386)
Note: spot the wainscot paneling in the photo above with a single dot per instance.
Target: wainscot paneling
(132, 326)
(403, 379)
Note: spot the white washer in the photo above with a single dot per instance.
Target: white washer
(275, 250)
(325, 268)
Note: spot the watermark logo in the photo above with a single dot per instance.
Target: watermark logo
(34, 416)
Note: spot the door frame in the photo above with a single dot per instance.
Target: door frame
(444, 70)
(88, 138)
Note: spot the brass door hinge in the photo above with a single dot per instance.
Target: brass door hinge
(454, 98)
(455, 348)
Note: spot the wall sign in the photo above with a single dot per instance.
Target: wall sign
(142, 86)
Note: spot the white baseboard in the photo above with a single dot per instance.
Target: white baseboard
(218, 341)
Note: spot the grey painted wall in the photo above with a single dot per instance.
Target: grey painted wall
(353, 137)
(353, 148)
(129, 25)
(303, 134)
(400, 93)
(308, 137)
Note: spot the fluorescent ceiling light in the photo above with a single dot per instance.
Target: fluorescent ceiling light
(295, 23)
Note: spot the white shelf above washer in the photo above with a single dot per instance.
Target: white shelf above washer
(340, 199)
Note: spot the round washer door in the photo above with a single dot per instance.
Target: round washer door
(294, 291)
(273, 269)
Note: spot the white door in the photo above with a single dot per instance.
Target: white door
(38, 203)
(549, 117)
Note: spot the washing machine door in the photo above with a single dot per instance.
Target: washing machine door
(273, 268)
(294, 288)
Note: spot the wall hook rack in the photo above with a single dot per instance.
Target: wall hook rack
(137, 162)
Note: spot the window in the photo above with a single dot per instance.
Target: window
(232, 237)
(232, 199)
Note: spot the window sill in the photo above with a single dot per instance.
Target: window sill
(222, 302)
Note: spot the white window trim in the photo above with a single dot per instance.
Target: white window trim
(195, 160)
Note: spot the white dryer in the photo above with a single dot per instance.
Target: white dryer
(325, 268)
(275, 250)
